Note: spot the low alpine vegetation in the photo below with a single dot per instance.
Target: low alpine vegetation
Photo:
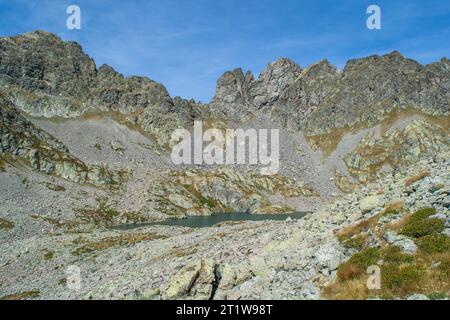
(420, 225)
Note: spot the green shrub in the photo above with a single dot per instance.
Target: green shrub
(444, 267)
(6, 224)
(358, 264)
(401, 279)
(419, 225)
(357, 242)
(366, 257)
(395, 255)
(423, 213)
(434, 243)
(437, 296)
(49, 255)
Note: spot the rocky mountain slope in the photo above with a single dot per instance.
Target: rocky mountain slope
(85, 150)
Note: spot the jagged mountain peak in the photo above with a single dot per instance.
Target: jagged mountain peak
(273, 80)
(283, 64)
(394, 60)
(320, 68)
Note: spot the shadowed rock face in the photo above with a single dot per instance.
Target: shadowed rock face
(52, 69)
(321, 98)
(18, 135)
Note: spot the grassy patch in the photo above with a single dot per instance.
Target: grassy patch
(23, 295)
(394, 255)
(358, 263)
(357, 242)
(401, 274)
(355, 236)
(400, 280)
(444, 267)
(6, 224)
(105, 214)
(394, 207)
(437, 296)
(66, 224)
(2, 165)
(121, 240)
(211, 203)
(49, 255)
(328, 142)
(409, 181)
(419, 225)
(353, 230)
(100, 215)
(434, 243)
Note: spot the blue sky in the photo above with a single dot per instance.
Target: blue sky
(187, 44)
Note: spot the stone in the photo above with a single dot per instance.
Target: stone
(195, 279)
(181, 283)
(405, 244)
(440, 216)
(369, 203)
(180, 201)
(417, 296)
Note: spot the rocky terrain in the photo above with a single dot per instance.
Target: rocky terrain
(85, 173)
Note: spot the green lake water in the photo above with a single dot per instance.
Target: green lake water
(208, 221)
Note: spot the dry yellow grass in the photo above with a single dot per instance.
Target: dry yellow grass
(426, 272)
(421, 275)
(409, 181)
(6, 224)
(394, 205)
(121, 240)
(355, 289)
(355, 229)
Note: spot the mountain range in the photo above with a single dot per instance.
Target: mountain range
(85, 167)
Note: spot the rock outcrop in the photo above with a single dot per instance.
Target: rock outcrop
(200, 192)
(240, 96)
(397, 148)
(22, 142)
(46, 76)
(369, 88)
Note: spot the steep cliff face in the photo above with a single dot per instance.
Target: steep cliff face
(46, 76)
(370, 87)
(238, 95)
(305, 95)
(232, 98)
(321, 98)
